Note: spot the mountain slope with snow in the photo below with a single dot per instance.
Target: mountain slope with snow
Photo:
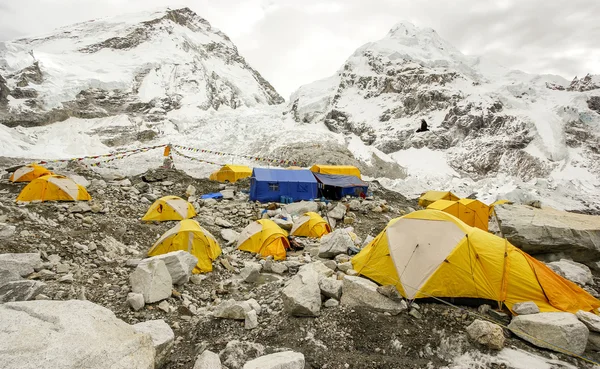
(146, 64)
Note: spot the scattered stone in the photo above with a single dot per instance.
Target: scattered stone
(360, 292)
(228, 194)
(179, 264)
(525, 308)
(279, 360)
(67, 331)
(344, 267)
(337, 212)
(331, 287)
(342, 258)
(302, 295)
(487, 334)
(135, 300)
(592, 321)
(573, 271)
(330, 264)
(208, 360)
(236, 353)
(152, 279)
(250, 273)
(164, 306)
(352, 272)
(62, 268)
(499, 316)
(390, 291)
(335, 243)
(197, 278)
(20, 290)
(251, 320)
(254, 305)
(67, 278)
(190, 191)
(354, 205)
(80, 207)
(551, 331)
(223, 223)
(274, 267)
(231, 309)
(229, 235)
(7, 231)
(331, 303)
(22, 264)
(299, 208)
(284, 223)
(162, 336)
(415, 313)
(377, 209)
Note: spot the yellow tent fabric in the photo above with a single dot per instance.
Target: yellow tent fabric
(473, 212)
(347, 170)
(310, 224)
(169, 208)
(266, 238)
(189, 236)
(231, 173)
(432, 196)
(29, 172)
(53, 188)
(430, 253)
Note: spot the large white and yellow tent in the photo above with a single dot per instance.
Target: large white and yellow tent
(29, 172)
(266, 238)
(231, 173)
(473, 212)
(430, 253)
(189, 236)
(169, 208)
(430, 197)
(310, 224)
(53, 188)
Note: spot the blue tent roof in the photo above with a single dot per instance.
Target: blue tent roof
(283, 175)
(340, 180)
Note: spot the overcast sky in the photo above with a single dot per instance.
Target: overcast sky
(296, 42)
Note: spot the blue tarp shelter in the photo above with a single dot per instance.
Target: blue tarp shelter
(332, 186)
(271, 184)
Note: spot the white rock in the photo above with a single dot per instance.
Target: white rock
(124, 183)
(279, 360)
(236, 353)
(20, 290)
(284, 223)
(164, 306)
(552, 331)
(80, 207)
(331, 303)
(232, 309)
(335, 243)
(251, 320)
(58, 334)
(135, 300)
(67, 278)
(274, 267)
(525, 308)
(575, 272)
(344, 267)
(360, 292)
(322, 270)
(22, 264)
(162, 336)
(179, 264)
(331, 287)
(354, 205)
(223, 223)
(299, 208)
(229, 235)
(208, 360)
(301, 295)
(152, 279)
(487, 334)
(98, 183)
(190, 191)
(7, 231)
(254, 305)
(337, 212)
(250, 273)
(592, 321)
(228, 194)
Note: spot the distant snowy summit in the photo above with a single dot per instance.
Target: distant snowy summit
(146, 63)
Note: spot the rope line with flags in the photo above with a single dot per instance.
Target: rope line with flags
(192, 158)
(249, 157)
(113, 154)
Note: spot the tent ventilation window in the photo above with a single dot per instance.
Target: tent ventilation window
(274, 187)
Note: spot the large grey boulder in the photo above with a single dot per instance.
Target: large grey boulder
(322, 270)
(250, 273)
(550, 231)
(8, 276)
(208, 360)
(554, 331)
(231, 309)
(361, 292)
(335, 243)
(7, 231)
(592, 321)
(162, 336)
(486, 333)
(179, 264)
(526, 308)
(299, 208)
(573, 271)
(69, 334)
(338, 212)
(21, 290)
(21, 264)
(153, 280)
(302, 295)
(331, 287)
(279, 360)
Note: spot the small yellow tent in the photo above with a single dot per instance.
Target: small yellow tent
(169, 208)
(473, 212)
(310, 225)
(231, 173)
(29, 172)
(189, 236)
(347, 170)
(433, 196)
(264, 237)
(53, 188)
(430, 253)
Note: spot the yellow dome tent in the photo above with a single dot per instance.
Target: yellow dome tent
(231, 173)
(169, 208)
(473, 212)
(432, 196)
(189, 236)
(29, 172)
(264, 237)
(430, 253)
(310, 225)
(53, 188)
(347, 170)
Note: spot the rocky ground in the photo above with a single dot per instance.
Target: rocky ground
(89, 253)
